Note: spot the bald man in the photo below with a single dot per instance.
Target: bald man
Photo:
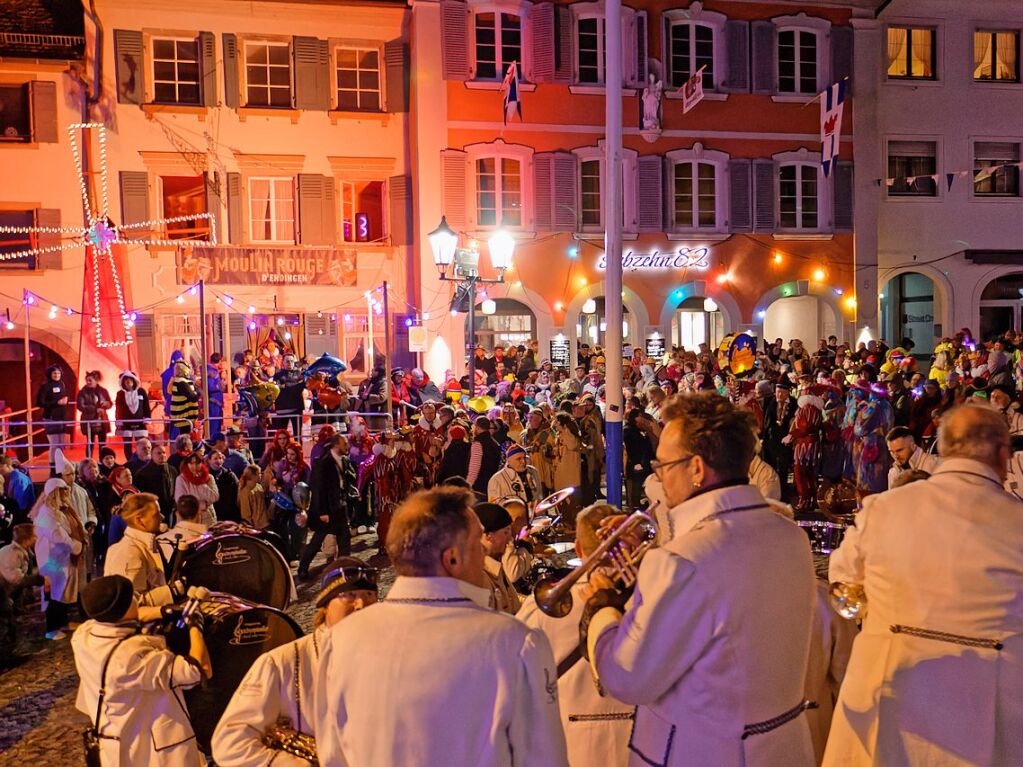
(936, 673)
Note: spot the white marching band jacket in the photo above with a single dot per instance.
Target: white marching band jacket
(137, 557)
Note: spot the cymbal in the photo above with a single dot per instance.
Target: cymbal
(553, 500)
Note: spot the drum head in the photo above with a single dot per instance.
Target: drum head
(241, 565)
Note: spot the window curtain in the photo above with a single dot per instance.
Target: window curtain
(896, 50)
(981, 55)
(922, 58)
(1006, 52)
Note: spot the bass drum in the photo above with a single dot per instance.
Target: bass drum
(237, 632)
(242, 565)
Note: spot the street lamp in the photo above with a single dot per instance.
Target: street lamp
(461, 265)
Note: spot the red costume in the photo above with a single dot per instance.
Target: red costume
(428, 445)
(380, 471)
(806, 439)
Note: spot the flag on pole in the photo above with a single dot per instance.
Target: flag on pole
(692, 91)
(832, 101)
(510, 90)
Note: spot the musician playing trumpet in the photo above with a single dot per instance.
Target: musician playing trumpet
(713, 649)
(277, 692)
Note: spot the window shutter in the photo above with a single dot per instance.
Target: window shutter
(232, 87)
(453, 162)
(843, 196)
(564, 47)
(396, 60)
(543, 171)
(214, 203)
(650, 188)
(455, 34)
(764, 192)
(134, 199)
(238, 334)
(765, 56)
(541, 19)
(310, 209)
(641, 49)
(399, 190)
(145, 346)
(130, 67)
(841, 53)
(739, 209)
(320, 334)
(566, 192)
(312, 66)
(329, 213)
(49, 217)
(737, 53)
(42, 96)
(234, 208)
(208, 62)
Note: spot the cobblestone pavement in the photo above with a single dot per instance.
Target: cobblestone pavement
(39, 724)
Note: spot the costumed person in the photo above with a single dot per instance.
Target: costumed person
(215, 387)
(131, 411)
(137, 556)
(778, 415)
(871, 460)
(428, 442)
(360, 449)
(184, 400)
(568, 467)
(405, 462)
(53, 397)
(517, 478)
(402, 403)
(378, 480)
(942, 364)
(805, 438)
(290, 403)
(540, 443)
(60, 551)
(94, 403)
(276, 695)
(165, 381)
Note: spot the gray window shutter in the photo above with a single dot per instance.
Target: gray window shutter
(320, 334)
(841, 53)
(213, 202)
(397, 62)
(641, 48)
(130, 66)
(566, 192)
(145, 346)
(454, 165)
(650, 190)
(765, 193)
(232, 86)
(739, 199)
(312, 73)
(765, 57)
(543, 171)
(843, 196)
(49, 217)
(737, 53)
(564, 50)
(134, 200)
(310, 209)
(238, 334)
(541, 19)
(455, 35)
(330, 213)
(208, 62)
(399, 190)
(234, 208)
(42, 96)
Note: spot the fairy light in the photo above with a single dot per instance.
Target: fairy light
(426, 316)
(558, 306)
(228, 300)
(287, 335)
(777, 258)
(69, 312)
(252, 309)
(180, 299)
(193, 290)
(722, 279)
(819, 275)
(30, 299)
(9, 325)
(252, 326)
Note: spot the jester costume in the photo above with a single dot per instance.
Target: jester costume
(870, 454)
(428, 445)
(805, 431)
(379, 471)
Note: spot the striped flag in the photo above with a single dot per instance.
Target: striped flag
(692, 91)
(832, 101)
(510, 90)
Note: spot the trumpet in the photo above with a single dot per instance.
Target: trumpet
(554, 597)
(849, 600)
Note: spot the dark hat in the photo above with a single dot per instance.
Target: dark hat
(783, 383)
(492, 517)
(514, 450)
(105, 451)
(346, 574)
(232, 431)
(107, 599)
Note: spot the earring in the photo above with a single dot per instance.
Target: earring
(697, 484)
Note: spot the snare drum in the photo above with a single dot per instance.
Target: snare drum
(825, 536)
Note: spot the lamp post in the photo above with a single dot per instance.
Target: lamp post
(461, 265)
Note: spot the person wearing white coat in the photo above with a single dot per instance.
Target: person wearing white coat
(137, 555)
(936, 673)
(438, 680)
(596, 726)
(714, 648)
(59, 550)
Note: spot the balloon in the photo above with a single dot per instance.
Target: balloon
(301, 495)
(328, 364)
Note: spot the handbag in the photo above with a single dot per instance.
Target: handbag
(91, 736)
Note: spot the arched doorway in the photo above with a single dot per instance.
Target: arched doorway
(12, 379)
(697, 320)
(591, 326)
(1000, 305)
(513, 323)
(805, 317)
(908, 313)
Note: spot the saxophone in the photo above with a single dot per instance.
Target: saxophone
(283, 737)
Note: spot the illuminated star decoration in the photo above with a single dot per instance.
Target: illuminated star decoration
(98, 237)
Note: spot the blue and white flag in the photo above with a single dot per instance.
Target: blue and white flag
(510, 90)
(832, 102)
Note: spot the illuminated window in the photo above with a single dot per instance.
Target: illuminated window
(272, 210)
(911, 53)
(497, 44)
(996, 56)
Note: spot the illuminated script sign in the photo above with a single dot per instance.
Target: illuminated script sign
(659, 261)
(267, 266)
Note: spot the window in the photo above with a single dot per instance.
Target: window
(695, 195)
(362, 211)
(184, 197)
(797, 191)
(911, 53)
(691, 47)
(911, 165)
(996, 169)
(268, 75)
(12, 243)
(591, 45)
(175, 71)
(15, 114)
(797, 61)
(996, 56)
(498, 44)
(498, 191)
(589, 190)
(358, 79)
(271, 210)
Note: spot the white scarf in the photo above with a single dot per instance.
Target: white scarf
(131, 399)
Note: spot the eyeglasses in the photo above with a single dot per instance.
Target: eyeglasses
(658, 466)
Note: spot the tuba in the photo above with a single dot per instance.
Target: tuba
(554, 597)
(282, 737)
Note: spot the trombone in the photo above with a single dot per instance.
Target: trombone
(554, 597)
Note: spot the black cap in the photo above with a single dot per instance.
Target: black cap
(107, 599)
(492, 517)
(346, 574)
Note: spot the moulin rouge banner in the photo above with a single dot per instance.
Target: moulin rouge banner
(268, 266)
